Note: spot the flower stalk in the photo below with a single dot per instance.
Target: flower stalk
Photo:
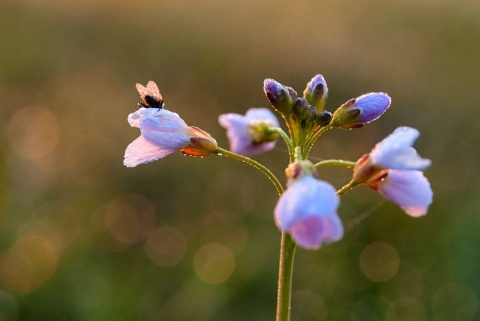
(285, 273)
(276, 183)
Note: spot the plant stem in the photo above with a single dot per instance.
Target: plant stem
(257, 165)
(346, 187)
(313, 139)
(285, 271)
(287, 245)
(335, 162)
(287, 140)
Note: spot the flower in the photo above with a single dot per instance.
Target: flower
(162, 133)
(394, 168)
(361, 110)
(308, 211)
(250, 134)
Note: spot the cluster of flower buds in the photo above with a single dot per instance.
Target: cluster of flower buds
(307, 210)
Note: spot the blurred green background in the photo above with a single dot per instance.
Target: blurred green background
(84, 238)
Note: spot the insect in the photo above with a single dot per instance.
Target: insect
(150, 96)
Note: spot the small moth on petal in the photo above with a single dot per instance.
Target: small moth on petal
(150, 96)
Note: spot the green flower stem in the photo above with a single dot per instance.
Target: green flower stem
(257, 165)
(313, 139)
(335, 162)
(285, 271)
(298, 153)
(287, 246)
(346, 188)
(286, 139)
(292, 128)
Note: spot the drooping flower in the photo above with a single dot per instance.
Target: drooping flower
(307, 210)
(250, 134)
(394, 168)
(361, 110)
(162, 133)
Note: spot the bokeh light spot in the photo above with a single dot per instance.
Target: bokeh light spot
(214, 263)
(379, 262)
(28, 263)
(34, 132)
(307, 305)
(454, 301)
(129, 218)
(408, 282)
(166, 246)
(56, 221)
(406, 309)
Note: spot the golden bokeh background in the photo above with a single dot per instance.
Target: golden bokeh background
(84, 238)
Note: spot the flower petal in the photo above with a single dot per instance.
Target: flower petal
(165, 133)
(316, 231)
(308, 210)
(409, 189)
(395, 151)
(141, 151)
(134, 119)
(262, 114)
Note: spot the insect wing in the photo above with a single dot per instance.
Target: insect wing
(150, 95)
(153, 91)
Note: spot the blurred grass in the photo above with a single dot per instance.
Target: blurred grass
(75, 223)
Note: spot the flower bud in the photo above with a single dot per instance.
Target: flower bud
(361, 110)
(280, 96)
(316, 92)
(323, 118)
(300, 109)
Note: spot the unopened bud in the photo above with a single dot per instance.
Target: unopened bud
(361, 110)
(323, 118)
(300, 109)
(316, 92)
(280, 96)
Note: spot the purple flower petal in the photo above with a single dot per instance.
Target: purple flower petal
(238, 130)
(395, 151)
(315, 231)
(263, 114)
(165, 133)
(141, 151)
(409, 189)
(308, 211)
(372, 106)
